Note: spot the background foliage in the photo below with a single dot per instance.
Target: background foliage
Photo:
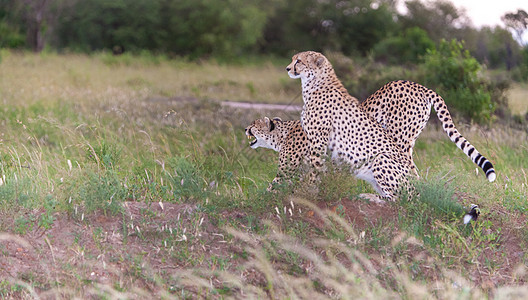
(379, 42)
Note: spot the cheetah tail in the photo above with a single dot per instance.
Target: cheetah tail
(461, 142)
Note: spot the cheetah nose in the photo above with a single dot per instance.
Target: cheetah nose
(288, 69)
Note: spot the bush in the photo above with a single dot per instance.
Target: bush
(454, 74)
(524, 65)
(407, 47)
(362, 77)
(9, 37)
(99, 192)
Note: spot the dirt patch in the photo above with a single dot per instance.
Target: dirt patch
(360, 214)
(146, 238)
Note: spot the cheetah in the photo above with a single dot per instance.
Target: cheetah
(334, 121)
(369, 136)
(287, 138)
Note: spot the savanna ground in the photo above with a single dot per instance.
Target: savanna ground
(125, 177)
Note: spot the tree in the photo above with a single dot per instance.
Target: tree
(185, 27)
(101, 24)
(359, 25)
(350, 26)
(440, 19)
(204, 27)
(518, 22)
(293, 26)
(37, 18)
(494, 46)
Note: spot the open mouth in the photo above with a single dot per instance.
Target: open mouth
(294, 75)
(252, 139)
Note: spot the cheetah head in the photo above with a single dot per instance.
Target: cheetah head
(306, 65)
(263, 133)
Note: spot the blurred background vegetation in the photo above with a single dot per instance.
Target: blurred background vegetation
(369, 42)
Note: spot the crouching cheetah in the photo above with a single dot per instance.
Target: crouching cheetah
(365, 135)
(285, 137)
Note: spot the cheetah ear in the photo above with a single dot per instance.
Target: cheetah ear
(272, 125)
(319, 61)
(269, 123)
(277, 119)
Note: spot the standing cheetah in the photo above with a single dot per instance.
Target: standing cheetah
(334, 120)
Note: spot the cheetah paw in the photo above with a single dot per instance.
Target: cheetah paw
(372, 198)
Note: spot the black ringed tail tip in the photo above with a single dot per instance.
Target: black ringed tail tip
(487, 167)
(473, 214)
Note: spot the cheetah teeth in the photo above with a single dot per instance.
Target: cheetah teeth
(252, 140)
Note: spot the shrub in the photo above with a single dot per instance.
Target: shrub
(10, 37)
(103, 192)
(407, 47)
(187, 181)
(454, 74)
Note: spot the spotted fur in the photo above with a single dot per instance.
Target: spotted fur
(403, 109)
(285, 137)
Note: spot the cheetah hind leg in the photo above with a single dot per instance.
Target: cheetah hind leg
(365, 173)
(385, 180)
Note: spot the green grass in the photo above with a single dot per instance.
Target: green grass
(83, 138)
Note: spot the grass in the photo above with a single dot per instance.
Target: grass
(125, 188)
(77, 78)
(517, 99)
